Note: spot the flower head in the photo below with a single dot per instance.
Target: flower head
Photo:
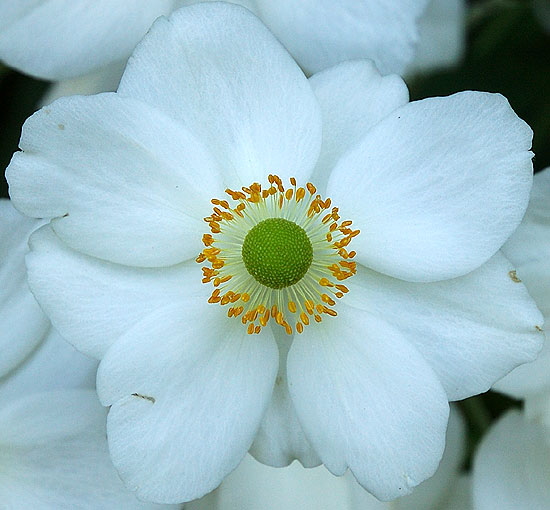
(277, 254)
(59, 39)
(210, 102)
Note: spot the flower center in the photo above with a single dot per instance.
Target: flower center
(277, 254)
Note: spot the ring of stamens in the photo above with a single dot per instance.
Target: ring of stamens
(294, 306)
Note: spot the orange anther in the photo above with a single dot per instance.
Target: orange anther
(311, 188)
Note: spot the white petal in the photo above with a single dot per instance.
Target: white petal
(362, 394)
(281, 439)
(321, 33)
(188, 388)
(92, 302)
(530, 242)
(436, 187)
(431, 493)
(253, 486)
(442, 30)
(58, 39)
(530, 378)
(529, 250)
(53, 365)
(54, 455)
(104, 80)
(23, 322)
(215, 67)
(120, 175)
(353, 98)
(512, 466)
(472, 330)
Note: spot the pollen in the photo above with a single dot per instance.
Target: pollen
(277, 255)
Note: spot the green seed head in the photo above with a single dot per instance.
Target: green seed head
(277, 253)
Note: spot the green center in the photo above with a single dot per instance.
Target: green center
(277, 253)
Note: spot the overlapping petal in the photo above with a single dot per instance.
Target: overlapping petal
(53, 365)
(529, 251)
(59, 39)
(23, 322)
(322, 33)
(533, 377)
(54, 455)
(92, 302)
(442, 34)
(472, 330)
(512, 466)
(104, 80)
(188, 390)
(436, 187)
(530, 242)
(353, 97)
(280, 438)
(368, 400)
(223, 74)
(120, 176)
(255, 486)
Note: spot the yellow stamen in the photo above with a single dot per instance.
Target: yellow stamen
(290, 307)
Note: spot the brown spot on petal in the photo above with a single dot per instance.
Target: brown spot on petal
(144, 397)
(538, 328)
(514, 276)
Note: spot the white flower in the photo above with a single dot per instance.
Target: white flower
(25, 325)
(253, 485)
(529, 250)
(61, 39)
(512, 466)
(211, 102)
(322, 33)
(319, 34)
(53, 455)
(53, 450)
(442, 34)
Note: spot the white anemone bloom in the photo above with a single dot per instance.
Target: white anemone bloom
(348, 281)
(61, 39)
(53, 455)
(25, 325)
(318, 33)
(53, 451)
(442, 35)
(254, 486)
(529, 250)
(512, 466)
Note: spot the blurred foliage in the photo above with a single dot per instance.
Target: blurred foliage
(20, 96)
(507, 52)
